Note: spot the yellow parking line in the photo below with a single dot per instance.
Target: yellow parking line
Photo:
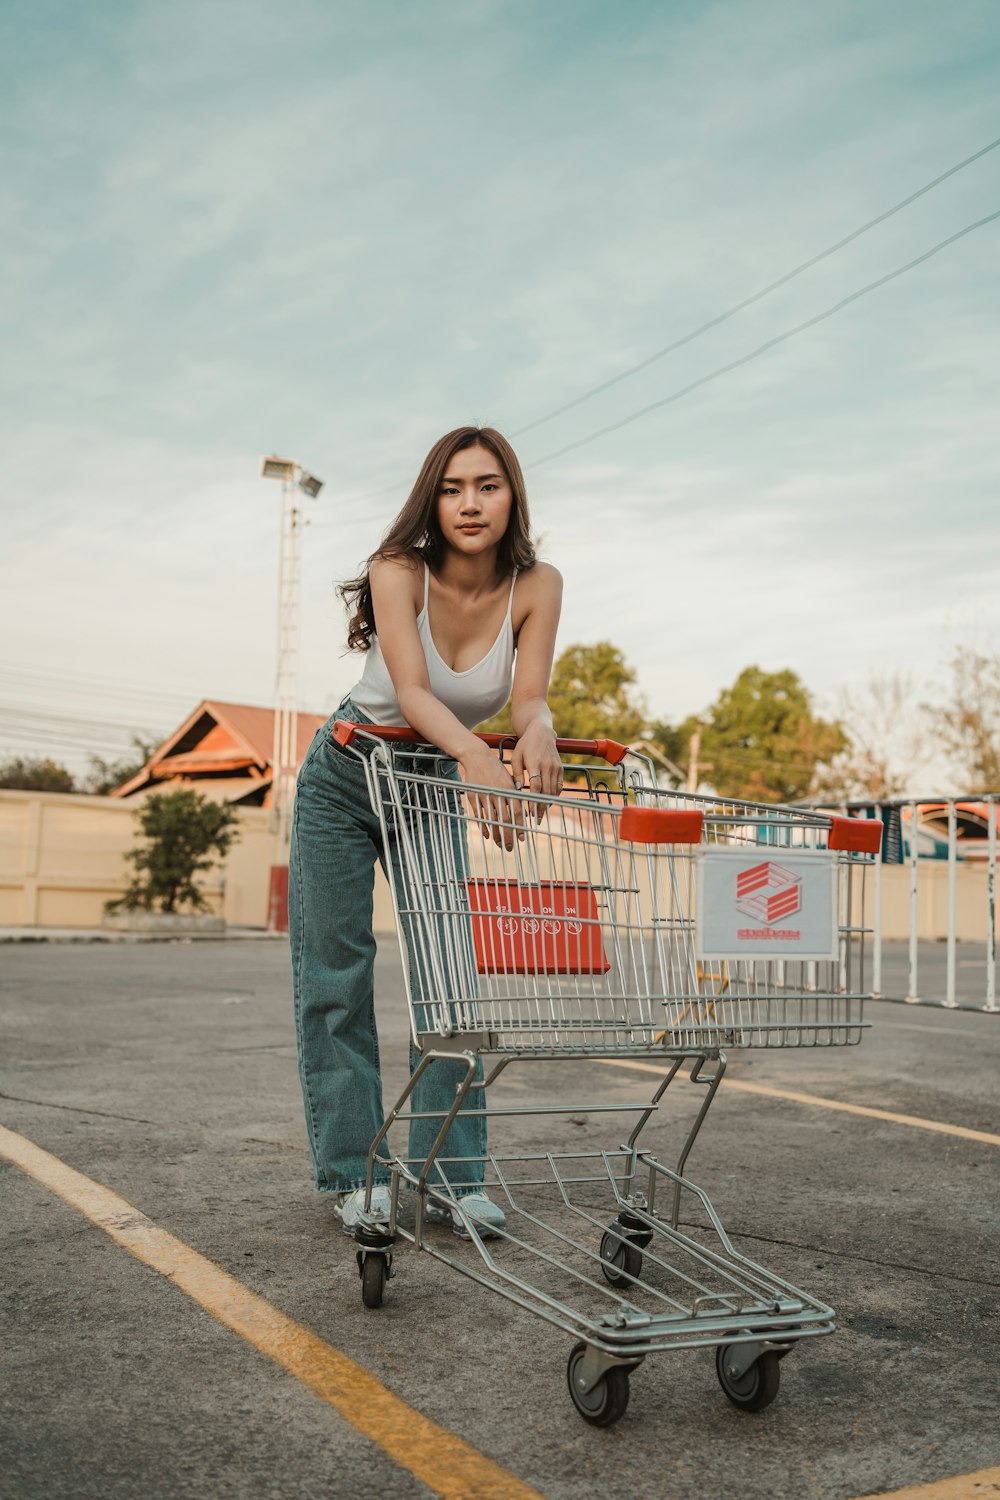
(438, 1458)
(982, 1485)
(917, 1121)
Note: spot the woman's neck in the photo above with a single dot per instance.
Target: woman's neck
(471, 576)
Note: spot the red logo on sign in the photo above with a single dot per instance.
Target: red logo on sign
(549, 928)
(768, 892)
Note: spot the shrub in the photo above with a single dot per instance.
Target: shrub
(185, 836)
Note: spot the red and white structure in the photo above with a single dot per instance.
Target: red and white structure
(295, 481)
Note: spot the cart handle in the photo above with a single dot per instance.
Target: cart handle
(610, 750)
(857, 835)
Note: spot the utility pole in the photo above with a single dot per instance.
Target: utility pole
(696, 768)
(286, 715)
(694, 745)
(646, 747)
(295, 481)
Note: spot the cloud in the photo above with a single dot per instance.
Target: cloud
(338, 231)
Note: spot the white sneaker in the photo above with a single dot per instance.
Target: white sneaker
(350, 1207)
(488, 1217)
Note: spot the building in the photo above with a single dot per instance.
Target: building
(223, 751)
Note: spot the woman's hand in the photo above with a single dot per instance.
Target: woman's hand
(535, 764)
(500, 817)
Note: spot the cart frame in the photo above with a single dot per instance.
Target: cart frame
(698, 1289)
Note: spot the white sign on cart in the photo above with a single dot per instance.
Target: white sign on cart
(751, 904)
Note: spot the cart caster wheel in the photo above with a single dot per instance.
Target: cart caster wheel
(619, 1259)
(756, 1387)
(605, 1402)
(373, 1272)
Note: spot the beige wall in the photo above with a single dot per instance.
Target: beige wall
(62, 857)
(971, 916)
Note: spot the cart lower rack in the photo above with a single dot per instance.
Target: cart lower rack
(615, 921)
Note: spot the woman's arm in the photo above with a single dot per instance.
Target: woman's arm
(535, 760)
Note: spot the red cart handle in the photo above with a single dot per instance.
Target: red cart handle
(857, 835)
(609, 750)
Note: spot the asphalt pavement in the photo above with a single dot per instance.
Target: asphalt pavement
(167, 1073)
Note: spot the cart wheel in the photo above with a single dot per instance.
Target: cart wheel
(605, 1402)
(373, 1280)
(757, 1386)
(619, 1259)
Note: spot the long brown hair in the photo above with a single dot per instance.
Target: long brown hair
(415, 532)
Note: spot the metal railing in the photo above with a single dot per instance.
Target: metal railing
(921, 835)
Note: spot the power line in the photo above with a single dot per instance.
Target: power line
(323, 521)
(772, 343)
(88, 685)
(25, 747)
(27, 728)
(721, 317)
(71, 722)
(758, 296)
(69, 741)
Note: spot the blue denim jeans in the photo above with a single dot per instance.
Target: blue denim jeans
(336, 839)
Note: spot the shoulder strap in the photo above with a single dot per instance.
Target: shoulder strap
(510, 598)
(427, 583)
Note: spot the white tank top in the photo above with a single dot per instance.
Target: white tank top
(473, 695)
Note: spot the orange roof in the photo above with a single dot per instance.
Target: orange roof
(255, 727)
(218, 737)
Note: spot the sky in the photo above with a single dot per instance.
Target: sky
(334, 231)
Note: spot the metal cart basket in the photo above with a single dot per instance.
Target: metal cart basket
(618, 921)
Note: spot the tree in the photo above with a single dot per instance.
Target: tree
(591, 696)
(761, 741)
(105, 775)
(185, 835)
(887, 744)
(26, 775)
(967, 724)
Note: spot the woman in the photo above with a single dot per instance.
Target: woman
(451, 610)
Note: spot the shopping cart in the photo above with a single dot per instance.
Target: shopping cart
(623, 922)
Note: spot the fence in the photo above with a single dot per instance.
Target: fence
(62, 856)
(936, 882)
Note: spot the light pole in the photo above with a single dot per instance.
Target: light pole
(284, 759)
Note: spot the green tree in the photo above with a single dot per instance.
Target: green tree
(185, 835)
(26, 775)
(592, 696)
(761, 741)
(967, 723)
(105, 775)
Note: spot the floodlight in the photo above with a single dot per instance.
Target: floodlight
(310, 484)
(277, 468)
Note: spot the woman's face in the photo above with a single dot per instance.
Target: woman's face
(474, 501)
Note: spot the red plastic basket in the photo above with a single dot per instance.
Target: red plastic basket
(549, 928)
